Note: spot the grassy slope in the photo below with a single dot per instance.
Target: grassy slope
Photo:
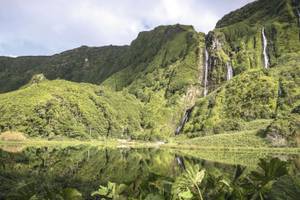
(246, 137)
(231, 140)
(61, 108)
(235, 104)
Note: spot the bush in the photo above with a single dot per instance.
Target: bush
(284, 131)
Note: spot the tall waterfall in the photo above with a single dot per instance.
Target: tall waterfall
(229, 71)
(265, 45)
(206, 72)
(184, 119)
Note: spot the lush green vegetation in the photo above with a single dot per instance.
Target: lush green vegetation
(230, 140)
(234, 104)
(254, 93)
(84, 64)
(121, 97)
(141, 91)
(87, 172)
(162, 72)
(55, 109)
(169, 82)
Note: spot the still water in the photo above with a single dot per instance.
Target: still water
(89, 172)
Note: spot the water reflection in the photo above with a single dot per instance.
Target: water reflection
(85, 172)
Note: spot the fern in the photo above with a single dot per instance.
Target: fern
(187, 182)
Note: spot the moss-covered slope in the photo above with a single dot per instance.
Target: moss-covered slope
(168, 79)
(238, 38)
(64, 109)
(241, 100)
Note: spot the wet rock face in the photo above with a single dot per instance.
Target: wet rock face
(217, 61)
(215, 44)
(184, 119)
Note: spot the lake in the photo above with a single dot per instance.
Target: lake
(91, 172)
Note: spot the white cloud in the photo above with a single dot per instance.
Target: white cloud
(47, 27)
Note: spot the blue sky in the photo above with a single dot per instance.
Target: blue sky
(45, 27)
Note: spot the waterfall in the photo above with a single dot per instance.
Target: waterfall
(180, 161)
(229, 71)
(206, 72)
(265, 45)
(184, 119)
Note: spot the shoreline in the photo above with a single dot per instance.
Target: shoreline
(117, 143)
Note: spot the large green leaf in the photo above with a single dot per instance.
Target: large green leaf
(186, 195)
(286, 188)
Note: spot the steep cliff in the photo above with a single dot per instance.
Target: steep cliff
(170, 81)
(261, 43)
(238, 38)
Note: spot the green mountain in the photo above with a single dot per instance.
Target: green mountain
(84, 64)
(158, 68)
(257, 91)
(170, 80)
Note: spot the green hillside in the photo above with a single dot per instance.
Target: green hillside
(59, 108)
(84, 64)
(171, 81)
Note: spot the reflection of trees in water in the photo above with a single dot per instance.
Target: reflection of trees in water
(144, 172)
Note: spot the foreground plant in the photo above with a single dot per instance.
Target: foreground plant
(261, 181)
(111, 191)
(189, 181)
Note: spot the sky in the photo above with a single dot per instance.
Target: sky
(45, 27)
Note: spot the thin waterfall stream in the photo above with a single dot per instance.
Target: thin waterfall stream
(206, 66)
(187, 113)
(229, 71)
(265, 46)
